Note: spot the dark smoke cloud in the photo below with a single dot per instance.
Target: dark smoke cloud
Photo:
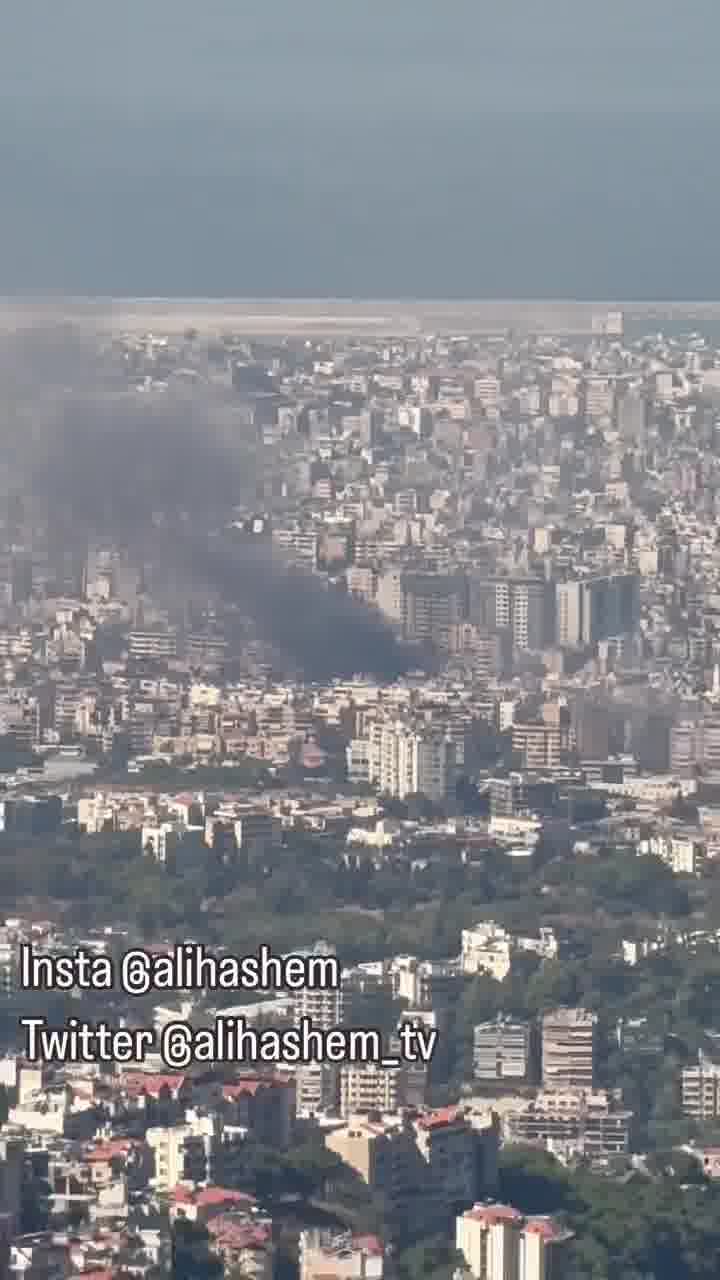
(326, 631)
(157, 472)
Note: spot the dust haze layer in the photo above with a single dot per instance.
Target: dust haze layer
(160, 473)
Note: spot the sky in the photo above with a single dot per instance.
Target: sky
(397, 148)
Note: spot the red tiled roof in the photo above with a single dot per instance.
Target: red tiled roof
(369, 1244)
(137, 1082)
(250, 1086)
(546, 1228)
(221, 1195)
(110, 1150)
(211, 1195)
(183, 1195)
(494, 1213)
(444, 1116)
(238, 1235)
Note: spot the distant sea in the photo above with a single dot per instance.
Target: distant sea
(390, 148)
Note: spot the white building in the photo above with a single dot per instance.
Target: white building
(404, 761)
(486, 948)
(501, 1050)
(499, 1243)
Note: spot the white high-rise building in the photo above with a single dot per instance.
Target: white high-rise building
(406, 761)
(317, 1082)
(323, 1005)
(498, 1243)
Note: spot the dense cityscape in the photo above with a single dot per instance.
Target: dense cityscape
(400, 655)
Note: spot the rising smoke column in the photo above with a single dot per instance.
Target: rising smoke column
(158, 472)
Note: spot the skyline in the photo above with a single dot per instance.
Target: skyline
(340, 316)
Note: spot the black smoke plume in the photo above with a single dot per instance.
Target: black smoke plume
(158, 472)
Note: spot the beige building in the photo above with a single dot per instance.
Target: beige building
(168, 1148)
(568, 1049)
(546, 745)
(499, 1243)
(424, 1167)
(168, 1145)
(366, 1147)
(366, 1087)
(591, 1124)
(333, 1255)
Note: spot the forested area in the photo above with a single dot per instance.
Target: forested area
(639, 1228)
(417, 899)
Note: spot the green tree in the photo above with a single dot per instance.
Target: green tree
(192, 1257)
(432, 1259)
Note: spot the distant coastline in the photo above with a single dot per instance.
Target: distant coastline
(317, 316)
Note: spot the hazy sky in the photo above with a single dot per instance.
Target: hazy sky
(398, 147)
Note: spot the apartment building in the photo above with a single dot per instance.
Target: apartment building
(447, 1144)
(502, 1051)
(317, 1083)
(682, 853)
(168, 1147)
(598, 396)
(700, 1090)
(521, 605)
(368, 1087)
(263, 1105)
(568, 1049)
(595, 608)
(423, 983)
(593, 1124)
(498, 1243)
(404, 760)
(324, 1006)
(299, 543)
(695, 745)
(425, 1168)
(433, 606)
(156, 644)
(491, 651)
(542, 746)
(426, 607)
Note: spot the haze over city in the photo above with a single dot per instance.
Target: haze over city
(359, 640)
